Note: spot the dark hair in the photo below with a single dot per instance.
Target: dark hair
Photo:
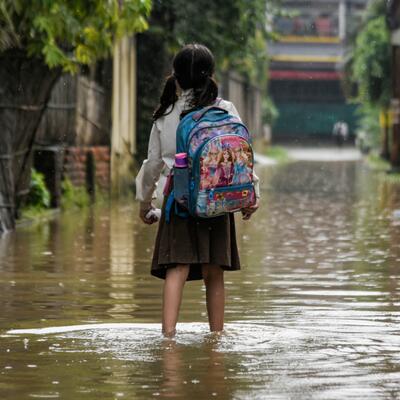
(193, 68)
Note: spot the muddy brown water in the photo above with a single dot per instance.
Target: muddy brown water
(313, 314)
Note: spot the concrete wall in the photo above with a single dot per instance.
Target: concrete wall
(75, 165)
(247, 100)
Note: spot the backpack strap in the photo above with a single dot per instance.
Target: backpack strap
(173, 206)
(168, 206)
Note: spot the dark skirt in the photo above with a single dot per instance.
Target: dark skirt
(195, 241)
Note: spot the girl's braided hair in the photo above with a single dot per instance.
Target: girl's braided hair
(193, 68)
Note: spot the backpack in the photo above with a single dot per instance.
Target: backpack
(219, 174)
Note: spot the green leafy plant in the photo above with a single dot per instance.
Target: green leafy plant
(74, 196)
(376, 163)
(69, 33)
(278, 153)
(372, 63)
(368, 125)
(269, 111)
(383, 169)
(38, 196)
(369, 74)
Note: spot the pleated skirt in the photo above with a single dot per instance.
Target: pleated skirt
(195, 241)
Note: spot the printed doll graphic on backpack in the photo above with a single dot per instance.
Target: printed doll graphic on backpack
(220, 162)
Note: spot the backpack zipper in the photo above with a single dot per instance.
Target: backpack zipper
(191, 133)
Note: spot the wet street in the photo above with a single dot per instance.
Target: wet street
(313, 314)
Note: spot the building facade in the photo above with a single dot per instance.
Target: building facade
(307, 64)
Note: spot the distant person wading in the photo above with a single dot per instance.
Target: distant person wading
(340, 133)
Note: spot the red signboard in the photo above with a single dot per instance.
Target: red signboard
(304, 75)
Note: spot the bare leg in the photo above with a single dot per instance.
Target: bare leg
(213, 276)
(172, 297)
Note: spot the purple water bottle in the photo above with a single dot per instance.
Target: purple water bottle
(181, 179)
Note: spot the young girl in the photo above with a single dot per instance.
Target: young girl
(187, 249)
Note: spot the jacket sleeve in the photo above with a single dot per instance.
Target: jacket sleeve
(149, 174)
(256, 180)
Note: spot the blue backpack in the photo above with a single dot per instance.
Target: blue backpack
(219, 176)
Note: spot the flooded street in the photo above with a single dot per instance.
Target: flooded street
(313, 314)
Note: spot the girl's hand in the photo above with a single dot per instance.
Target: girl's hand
(144, 209)
(247, 212)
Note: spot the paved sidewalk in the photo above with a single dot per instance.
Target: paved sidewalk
(324, 154)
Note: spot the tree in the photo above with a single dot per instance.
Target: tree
(68, 34)
(38, 40)
(371, 66)
(235, 30)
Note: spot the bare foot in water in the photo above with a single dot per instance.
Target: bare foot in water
(169, 334)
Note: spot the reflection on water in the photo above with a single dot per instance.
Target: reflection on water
(314, 313)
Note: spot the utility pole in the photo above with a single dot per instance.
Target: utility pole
(123, 137)
(342, 20)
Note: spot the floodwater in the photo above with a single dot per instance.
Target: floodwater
(313, 314)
